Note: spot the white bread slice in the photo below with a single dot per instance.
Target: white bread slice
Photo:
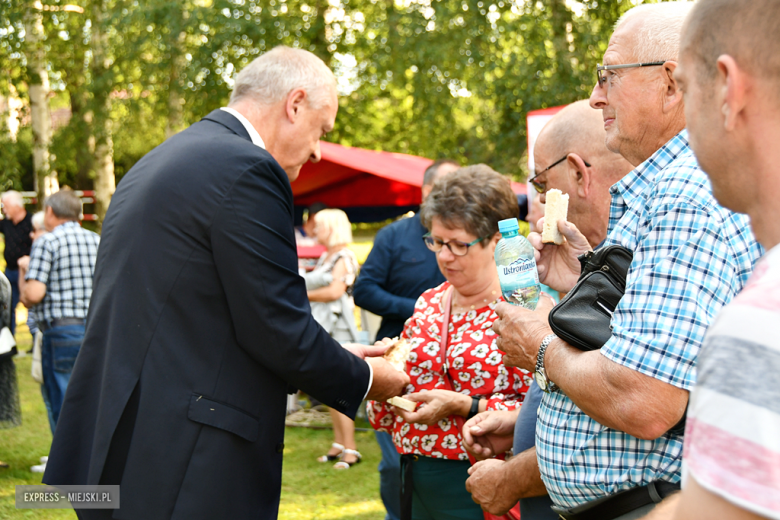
(398, 353)
(556, 208)
(404, 404)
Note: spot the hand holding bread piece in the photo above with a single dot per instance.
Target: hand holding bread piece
(556, 208)
(397, 355)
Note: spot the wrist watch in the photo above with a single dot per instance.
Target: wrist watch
(540, 375)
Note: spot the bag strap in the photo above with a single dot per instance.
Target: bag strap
(445, 334)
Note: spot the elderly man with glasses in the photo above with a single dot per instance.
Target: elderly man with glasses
(609, 437)
(576, 133)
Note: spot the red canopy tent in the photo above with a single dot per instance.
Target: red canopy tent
(369, 185)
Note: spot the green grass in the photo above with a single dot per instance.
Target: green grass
(310, 490)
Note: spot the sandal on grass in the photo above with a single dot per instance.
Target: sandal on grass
(329, 457)
(342, 464)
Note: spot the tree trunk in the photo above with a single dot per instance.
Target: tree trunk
(105, 181)
(45, 181)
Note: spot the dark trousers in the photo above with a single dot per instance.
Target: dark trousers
(13, 277)
(439, 490)
(389, 476)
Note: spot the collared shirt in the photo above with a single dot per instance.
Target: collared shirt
(397, 271)
(64, 260)
(253, 135)
(17, 240)
(691, 256)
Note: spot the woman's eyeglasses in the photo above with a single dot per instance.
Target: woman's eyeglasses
(456, 247)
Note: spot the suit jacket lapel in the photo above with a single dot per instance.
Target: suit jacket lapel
(230, 122)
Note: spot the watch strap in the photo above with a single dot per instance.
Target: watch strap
(474, 408)
(544, 382)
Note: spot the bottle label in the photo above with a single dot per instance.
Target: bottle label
(521, 268)
(520, 282)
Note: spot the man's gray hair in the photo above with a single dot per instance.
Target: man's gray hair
(272, 76)
(13, 198)
(658, 37)
(65, 204)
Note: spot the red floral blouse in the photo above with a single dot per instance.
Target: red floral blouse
(476, 368)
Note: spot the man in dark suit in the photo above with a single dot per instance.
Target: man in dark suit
(199, 323)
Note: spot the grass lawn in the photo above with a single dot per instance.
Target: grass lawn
(309, 490)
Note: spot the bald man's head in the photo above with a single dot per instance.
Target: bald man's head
(576, 134)
(746, 30)
(576, 127)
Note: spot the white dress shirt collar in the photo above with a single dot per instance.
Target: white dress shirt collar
(256, 139)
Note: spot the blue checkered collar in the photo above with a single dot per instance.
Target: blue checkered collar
(632, 186)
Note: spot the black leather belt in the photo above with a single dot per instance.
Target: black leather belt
(60, 322)
(619, 504)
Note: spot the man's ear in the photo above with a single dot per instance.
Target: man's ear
(673, 95)
(730, 90)
(581, 174)
(296, 100)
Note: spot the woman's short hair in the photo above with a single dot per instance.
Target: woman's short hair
(37, 221)
(337, 222)
(473, 198)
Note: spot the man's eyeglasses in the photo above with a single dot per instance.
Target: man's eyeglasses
(456, 247)
(601, 68)
(541, 187)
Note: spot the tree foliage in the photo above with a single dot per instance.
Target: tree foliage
(438, 78)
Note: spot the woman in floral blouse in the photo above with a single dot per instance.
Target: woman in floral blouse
(462, 214)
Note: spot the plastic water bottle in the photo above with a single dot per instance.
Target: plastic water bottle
(516, 266)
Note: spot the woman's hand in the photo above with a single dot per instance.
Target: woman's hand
(558, 266)
(435, 406)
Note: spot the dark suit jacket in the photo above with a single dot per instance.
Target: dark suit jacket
(198, 324)
(397, 271)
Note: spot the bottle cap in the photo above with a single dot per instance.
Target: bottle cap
(508, 225)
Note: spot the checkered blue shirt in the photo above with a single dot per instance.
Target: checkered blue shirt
(65, 261)
(691, 256)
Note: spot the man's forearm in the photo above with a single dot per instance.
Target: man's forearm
(614, 395)
(523, 470)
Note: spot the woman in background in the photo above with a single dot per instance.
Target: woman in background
(329, 288)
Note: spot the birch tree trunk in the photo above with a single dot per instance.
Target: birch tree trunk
(105, 181)
(45, 181)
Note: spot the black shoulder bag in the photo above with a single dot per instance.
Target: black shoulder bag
(582, 319)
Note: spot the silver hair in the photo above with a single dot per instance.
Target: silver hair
(272, 76)
(14, 198)
(658, 36)
(37, 221)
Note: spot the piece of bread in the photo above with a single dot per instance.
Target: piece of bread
(555, 209)
(398, 353)
(402, 403)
